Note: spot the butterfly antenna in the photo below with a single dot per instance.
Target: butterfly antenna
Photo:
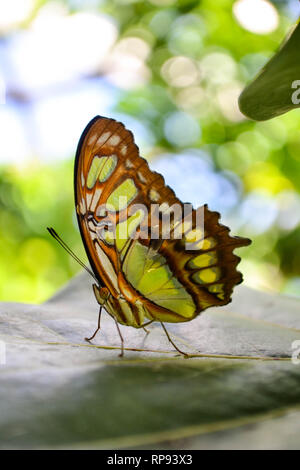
(56, 237)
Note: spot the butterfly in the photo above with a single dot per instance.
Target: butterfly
(154, 259)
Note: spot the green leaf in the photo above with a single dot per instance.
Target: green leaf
(57, 391)
(270, 94)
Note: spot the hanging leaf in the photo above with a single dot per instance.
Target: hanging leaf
(276, 89)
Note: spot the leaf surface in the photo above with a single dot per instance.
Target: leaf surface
(59, 391)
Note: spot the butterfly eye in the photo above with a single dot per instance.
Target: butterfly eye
(104, 293)
(101, 294)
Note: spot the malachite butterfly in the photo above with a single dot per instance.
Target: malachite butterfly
(153, 257)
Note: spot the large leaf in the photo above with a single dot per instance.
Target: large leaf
(270, 94)
(59, 391)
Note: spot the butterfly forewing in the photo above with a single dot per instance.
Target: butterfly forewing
(166, 278)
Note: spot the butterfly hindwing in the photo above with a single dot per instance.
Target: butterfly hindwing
(148, 275)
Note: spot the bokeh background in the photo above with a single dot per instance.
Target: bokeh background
(172, 72)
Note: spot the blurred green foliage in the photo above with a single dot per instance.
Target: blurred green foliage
(32, 266)
(221, 57)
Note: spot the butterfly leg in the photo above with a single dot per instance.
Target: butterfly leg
(145, 324)
(98, 328)
(172, 342)
(121, 337)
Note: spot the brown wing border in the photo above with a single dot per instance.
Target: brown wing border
(76, 162)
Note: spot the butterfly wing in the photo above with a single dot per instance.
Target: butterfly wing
(149, 275)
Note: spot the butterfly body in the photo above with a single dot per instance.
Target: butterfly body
(144, 271)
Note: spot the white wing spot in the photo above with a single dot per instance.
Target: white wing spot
(92, 139)
(129, 164)
(101, 211)
(154, 195)
(82, 179)
(114, 140)
(123, 149)
(82, 207)
(103, 138)
(96, 198)
(88, 199)
(91, 226)
(141, 177)
(107, 267)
